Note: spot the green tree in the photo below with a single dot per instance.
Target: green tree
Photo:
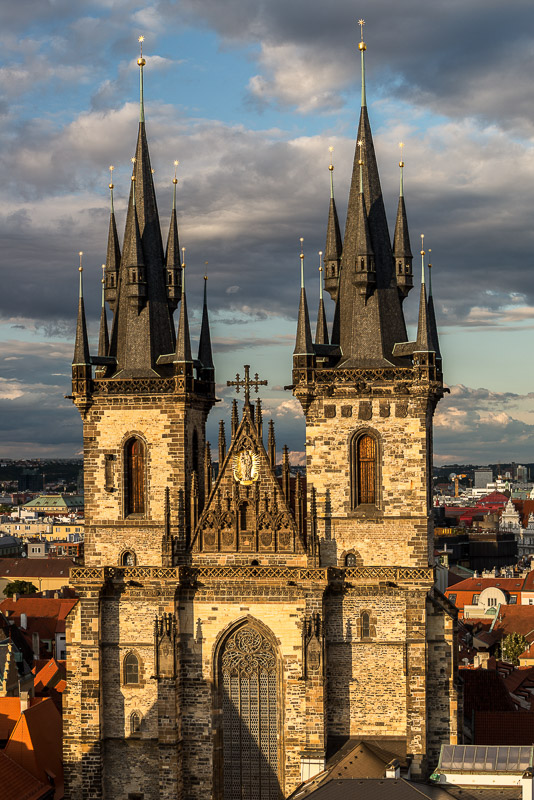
(512, 646)
(20, 587)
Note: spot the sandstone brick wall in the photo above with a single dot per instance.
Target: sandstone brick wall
(166, 425)
(400, 533)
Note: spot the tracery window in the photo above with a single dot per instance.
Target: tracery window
(248, 679)
(134, 463)
(365, 625)
(131, 668)
(364, 458)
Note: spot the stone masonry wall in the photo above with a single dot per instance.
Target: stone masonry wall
(400, 532)
(167, 430)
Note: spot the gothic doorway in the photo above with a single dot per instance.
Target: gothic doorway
(248, 684)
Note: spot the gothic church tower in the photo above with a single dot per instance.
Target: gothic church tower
(235, 630)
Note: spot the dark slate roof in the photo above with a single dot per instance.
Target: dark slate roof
(321, 329)
(369, 326)
(393, 789)
(141, 334)
(81, 345)
(504, 727)
(303, 343)
(204, 345)
(401, 239)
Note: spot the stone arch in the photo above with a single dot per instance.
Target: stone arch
(132, 672)
(128, 558)
(248, 744)
(353, 556)
(135, 722)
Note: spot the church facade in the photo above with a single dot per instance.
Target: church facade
(233, 632)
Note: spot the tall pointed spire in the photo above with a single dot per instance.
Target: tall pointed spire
(402, 252)
(424, 337)
(303, 344)
(183, 340)
(333, 249)
(113, 255)
(81, 346)
(370, 313)
(172, 252)
(142, 328)
(204, 345)
(141, 63)
(103, 336)
(321, 329)
(432, 314)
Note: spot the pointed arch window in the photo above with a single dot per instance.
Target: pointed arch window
(131, 669)
(135, 723)
(248, 675)
(365, 468)
(134, 462)
(365, 625)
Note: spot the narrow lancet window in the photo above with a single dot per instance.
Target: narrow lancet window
(134, 456)
(364, 470)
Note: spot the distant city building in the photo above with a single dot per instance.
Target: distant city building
(483, 477)
(55, 504)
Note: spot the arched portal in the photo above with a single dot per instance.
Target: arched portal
(248, 681)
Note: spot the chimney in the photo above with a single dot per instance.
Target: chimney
(481, 660)
(36, 646)
(393, 769)
(15, 597)
(24, 701)
(23, 621)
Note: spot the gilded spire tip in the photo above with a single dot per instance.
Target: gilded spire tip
(423, 259)
(362, 47)
(141, 63)
(331, 168)
(401, 165)
(320, 274)
(302, 262)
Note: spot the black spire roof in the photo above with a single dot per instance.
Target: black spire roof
(103, 336)
(142, 327)
(304, 341)
(432, 317)
(204, 345)
(183, 340)
(81, 345)
(371, 323)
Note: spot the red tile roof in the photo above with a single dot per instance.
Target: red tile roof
(35, 744)
(504, 727)
(9, 714)
(18, 784)
(49, 676)
(493, 499)
(13, 568)
(515, 619)
(45, 615)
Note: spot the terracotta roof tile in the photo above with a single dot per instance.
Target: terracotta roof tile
(19, 784)
(9, 714)
(504, 727)
(484, 690)
(36, 568)
(49, 676)
(35, 743)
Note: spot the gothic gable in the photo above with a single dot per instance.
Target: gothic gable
(247, 510)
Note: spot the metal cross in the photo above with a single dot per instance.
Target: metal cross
(246, 383)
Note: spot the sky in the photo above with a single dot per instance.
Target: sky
(249, 95)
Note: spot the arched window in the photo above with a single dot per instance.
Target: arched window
(131, 668)
(350, 560)
(365, 625)
(364, 457)
(134, 458)
(135, 723)
(248, 681)
(128, 559)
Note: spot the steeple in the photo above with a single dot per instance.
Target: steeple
(370, 313)
(424, 337)
(183, 341)
(332, 253)
(172, 252)
(401, 242)
(303, 344)
(103, 336)
(321, 329)
(204, 345)
(81, 346)
(113, 256)
(142, 327)
(432, 314)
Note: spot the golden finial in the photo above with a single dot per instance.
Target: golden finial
(362, 45)
(141, 61)
(422, 244)
(320, 260)
(302, 247)
(331, 150)
(152, 170)
(80, 268)
(111, 177)
(401, 162)
(133, 159)
(175, 179)
(103, 273)
(183, 257)
(206, 271)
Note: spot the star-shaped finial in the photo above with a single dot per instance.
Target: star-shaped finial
(132, 159)
(141, 61)
(361, 23)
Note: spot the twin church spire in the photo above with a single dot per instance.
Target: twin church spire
(143, 285)
(367, 277)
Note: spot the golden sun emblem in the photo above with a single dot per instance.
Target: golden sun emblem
(246, 464)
